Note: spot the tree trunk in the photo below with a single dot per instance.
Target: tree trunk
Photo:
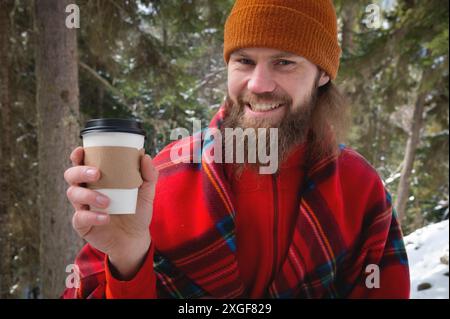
(5, 150)
(348, 27)
(57, 105)
(410, 152)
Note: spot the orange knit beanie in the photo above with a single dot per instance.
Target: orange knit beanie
(305, 27)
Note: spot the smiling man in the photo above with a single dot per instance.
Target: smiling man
(321, 226)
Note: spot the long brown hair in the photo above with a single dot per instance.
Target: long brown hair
(330, 122)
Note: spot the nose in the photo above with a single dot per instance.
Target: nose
(261, 80)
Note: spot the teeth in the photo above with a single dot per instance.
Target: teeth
(263, 106)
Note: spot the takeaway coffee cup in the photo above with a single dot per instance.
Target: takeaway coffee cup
(115, 147)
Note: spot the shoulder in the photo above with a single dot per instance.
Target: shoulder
(354, 165)
(358, 179)
(361, 182)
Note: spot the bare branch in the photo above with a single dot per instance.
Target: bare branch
(103, 81)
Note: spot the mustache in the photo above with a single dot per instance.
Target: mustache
(266, 97)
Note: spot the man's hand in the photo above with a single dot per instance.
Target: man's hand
(124, 238)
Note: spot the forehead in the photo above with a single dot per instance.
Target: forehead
(265, 53)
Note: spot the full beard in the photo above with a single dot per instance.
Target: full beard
(292, 128)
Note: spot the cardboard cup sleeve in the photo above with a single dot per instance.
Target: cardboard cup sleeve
(119, 166)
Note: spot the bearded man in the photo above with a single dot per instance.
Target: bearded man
(320, 226)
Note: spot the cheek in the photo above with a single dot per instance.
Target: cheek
(235, 83)
(298, 89)
(289, 89)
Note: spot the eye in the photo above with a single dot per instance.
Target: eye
(245, 61)
(284, 62)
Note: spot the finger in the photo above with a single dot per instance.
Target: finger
(80, 206)
(84, 196)
(84, 220)
(77, 206)
(81, 174)
(148, 171)
(77, 156)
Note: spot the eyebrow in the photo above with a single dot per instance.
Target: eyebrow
(285, 55)
(276, 56)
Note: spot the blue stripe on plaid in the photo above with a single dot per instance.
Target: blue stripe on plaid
(397, 242)
(207, 140)
(388, 197)
(166, 270)
(310, 185)
(326, 276)
(322, 274)
(399, 250)
(226, 229)
(325, 272)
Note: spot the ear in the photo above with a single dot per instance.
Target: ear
(324, 78)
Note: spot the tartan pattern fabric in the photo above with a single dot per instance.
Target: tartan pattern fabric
(345, 222)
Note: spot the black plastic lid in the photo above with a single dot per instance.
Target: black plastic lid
(113, 125)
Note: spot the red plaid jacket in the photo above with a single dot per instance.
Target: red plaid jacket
(346, 241)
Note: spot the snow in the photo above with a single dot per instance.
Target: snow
(427, 250)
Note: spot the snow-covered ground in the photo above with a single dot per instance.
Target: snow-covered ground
(427, 250)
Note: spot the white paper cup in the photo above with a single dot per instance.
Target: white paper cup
(122, 201)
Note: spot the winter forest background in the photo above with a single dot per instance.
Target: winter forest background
(161, 61)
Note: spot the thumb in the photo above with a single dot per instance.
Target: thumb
(146, 193)
(150, 176)
(148, 171)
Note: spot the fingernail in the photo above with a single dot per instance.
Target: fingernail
(102, 200)
(101, 218)
(91, 172)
